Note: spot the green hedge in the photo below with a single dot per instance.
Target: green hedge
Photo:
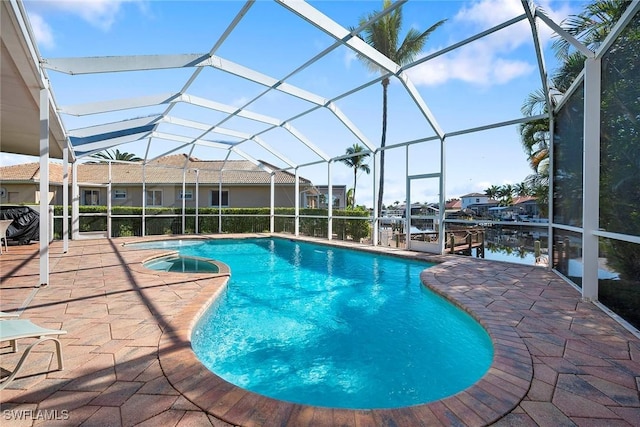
(234, 220)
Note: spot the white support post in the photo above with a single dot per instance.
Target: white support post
(272, 204)
(184, 200)
(109, 233)
(407, 207)
(550, 228)
(197, 220)
(296, 219)
(44, 185)
(329, 203)
(65, 197)
(591, 179)
(51, 223)
(374, 224)
(144, 200)
(220, 204)
(442, 201)
(75, 202)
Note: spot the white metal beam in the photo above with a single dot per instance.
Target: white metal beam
(349, 125)
(118, 104)
(108, 143)
(417, 99)
(564, 34)
(539, 56)
(335, 30)
(113, 126)
(293, 131)
(114, 64)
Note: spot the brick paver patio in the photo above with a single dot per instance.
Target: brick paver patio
(558, 361)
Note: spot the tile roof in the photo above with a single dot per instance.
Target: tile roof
(30, 172)
(453, 204)
(523, 199)
(165, 170)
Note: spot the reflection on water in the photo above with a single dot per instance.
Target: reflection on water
(517, 244)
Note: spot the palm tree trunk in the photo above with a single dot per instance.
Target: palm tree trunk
(355, 178)
(383, 141)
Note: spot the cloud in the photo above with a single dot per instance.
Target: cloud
(99, 13)
(494, 59)
(476, 64)
(42, 31)
(8, 159)
(349, 57)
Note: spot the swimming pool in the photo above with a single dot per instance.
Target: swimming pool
(182, 264)
(331, 327)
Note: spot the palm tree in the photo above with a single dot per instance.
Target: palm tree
(116, 155)
(505, 193)
(356, 162)
(521, 189)
(492, 192)
(590, 27)
(383, 35)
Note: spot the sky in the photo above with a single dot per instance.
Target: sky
(483, 82)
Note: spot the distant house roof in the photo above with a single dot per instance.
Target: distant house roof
(165, 170)
(524, 199)
(453, 204)
(474, 195)
(30, 172)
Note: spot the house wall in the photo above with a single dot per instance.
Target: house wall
(239, 196)
(29, 193)
(466, 201)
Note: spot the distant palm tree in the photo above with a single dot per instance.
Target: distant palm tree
(383, 35)
(116, 155)
(521, 189)
(505, 193)
(350, 200)
(492, 192)
(356, 162)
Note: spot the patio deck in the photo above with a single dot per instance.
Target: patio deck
(128, 361)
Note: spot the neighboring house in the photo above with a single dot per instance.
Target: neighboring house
(527, 206)
(20, 184)
(453, 205)
(244, 184)
(317, 197)
(522, 209)
(473, 199)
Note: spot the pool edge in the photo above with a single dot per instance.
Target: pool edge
(505, 383)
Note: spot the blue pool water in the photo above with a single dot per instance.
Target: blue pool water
(181, 264)
(336, 328)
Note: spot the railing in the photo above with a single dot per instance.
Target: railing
(356, 228)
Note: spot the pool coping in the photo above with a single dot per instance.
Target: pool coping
(504, 385)
(223, 269)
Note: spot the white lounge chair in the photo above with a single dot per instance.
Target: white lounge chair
(4, 225)
(14, 329)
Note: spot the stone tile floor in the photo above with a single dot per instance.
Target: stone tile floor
(558, 361)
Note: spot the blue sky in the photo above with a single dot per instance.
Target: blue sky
(483, 82)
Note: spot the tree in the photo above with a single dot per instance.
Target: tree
(590, 27)
(116, 155)
(521, 189)
(505, 193)
(383, 35)
(356, 162)
(492, 192)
